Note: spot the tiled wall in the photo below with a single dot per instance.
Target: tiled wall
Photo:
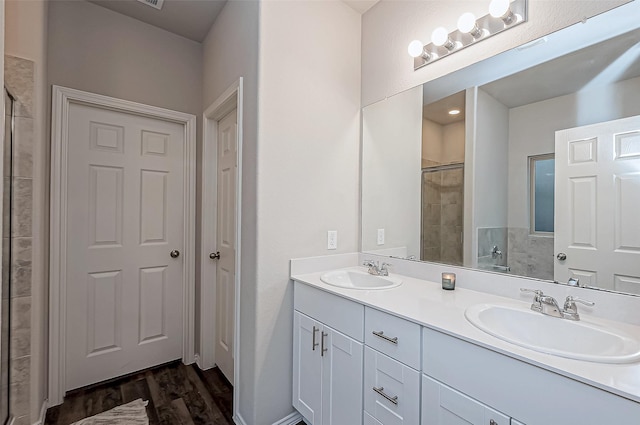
(526, 255)
(530, 255)
(19, 81)
(442, 198)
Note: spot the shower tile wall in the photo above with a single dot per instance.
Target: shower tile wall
(529, 255)
(442, 197)
(19, 81)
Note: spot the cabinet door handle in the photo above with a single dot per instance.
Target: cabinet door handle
(314, 344)
(381, 334)
(380, 391)
(492, 422)
(322, 348)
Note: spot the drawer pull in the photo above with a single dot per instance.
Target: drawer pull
(380, 391)
(314, 344)
(381, 334)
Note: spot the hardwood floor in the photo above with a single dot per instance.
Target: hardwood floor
(177, 394)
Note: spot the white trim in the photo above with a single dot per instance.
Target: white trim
(230, 99)
(238, 420)
(43, 414)
(62, 97)
(292, 419)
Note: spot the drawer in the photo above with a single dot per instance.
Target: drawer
(391, 390)
(393, 336)
(442, 405)
(370, 420)
(339, 313)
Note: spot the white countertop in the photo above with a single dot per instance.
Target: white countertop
(425, 303)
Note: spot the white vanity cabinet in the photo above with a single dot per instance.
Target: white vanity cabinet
(327, 363)
(442, 405)
(391, 369)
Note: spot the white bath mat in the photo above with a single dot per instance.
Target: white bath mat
(134, 413)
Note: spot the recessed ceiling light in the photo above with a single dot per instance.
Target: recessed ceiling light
(454, 112)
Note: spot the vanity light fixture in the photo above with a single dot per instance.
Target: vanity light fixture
(503, 15)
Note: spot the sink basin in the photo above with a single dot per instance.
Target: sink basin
(356, 278)
(580, 340)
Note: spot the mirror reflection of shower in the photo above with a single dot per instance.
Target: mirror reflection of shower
(5, 417)
(443, 142)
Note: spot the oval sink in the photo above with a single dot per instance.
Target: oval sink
(575, 340)
(356, 278)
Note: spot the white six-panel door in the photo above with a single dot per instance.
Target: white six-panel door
(597, 204)
(125, 215)
(225, 243)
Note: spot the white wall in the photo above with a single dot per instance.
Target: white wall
(308, 169)
(486, 181)
(25, 33)
(97, 50)
(431, 142)
(532, 131)
(391, 172)
(453, 139)
(389, 27)
(230, 51)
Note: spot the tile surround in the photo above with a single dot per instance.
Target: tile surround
(19, 80)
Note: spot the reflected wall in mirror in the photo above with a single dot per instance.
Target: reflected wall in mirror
(537, 176)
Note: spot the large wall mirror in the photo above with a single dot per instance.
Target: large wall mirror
(527, 163)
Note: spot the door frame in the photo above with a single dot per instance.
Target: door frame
(225, 103)
(62, 98)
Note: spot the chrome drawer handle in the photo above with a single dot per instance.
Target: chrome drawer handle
(381, 334)
(380, 391)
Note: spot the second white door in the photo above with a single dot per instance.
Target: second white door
(125, 221)
(226, 242)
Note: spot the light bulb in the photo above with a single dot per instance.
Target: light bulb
(502, 9)
(466, 22)
(499, 8)
(416, 49)
(440, 36)
(454, 112)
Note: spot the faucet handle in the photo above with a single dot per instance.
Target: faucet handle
(368, 263)
(572, 300)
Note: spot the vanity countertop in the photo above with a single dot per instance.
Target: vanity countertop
(425, 303)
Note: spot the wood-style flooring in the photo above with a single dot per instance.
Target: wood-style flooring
(177, 394)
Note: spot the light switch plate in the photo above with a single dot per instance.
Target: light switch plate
(332, 239)
(380, 236)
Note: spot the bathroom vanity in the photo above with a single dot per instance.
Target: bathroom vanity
(408, 355)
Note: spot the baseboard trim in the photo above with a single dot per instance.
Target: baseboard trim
(237, 419)
(43, 414)
(292, 419)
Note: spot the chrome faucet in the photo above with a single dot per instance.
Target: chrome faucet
(548, 305)
(376, 269)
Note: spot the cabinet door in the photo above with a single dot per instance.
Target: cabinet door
(442, 405)
(307, 368)
(341, 379)
(391, 390)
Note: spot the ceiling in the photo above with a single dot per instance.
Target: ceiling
(189, 18)
(613, 60)
(439, 111)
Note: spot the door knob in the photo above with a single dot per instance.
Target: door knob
(175, 253)
(561, 256)
(215, 255)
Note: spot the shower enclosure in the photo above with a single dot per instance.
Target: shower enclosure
(442, 213)
(5, 324)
